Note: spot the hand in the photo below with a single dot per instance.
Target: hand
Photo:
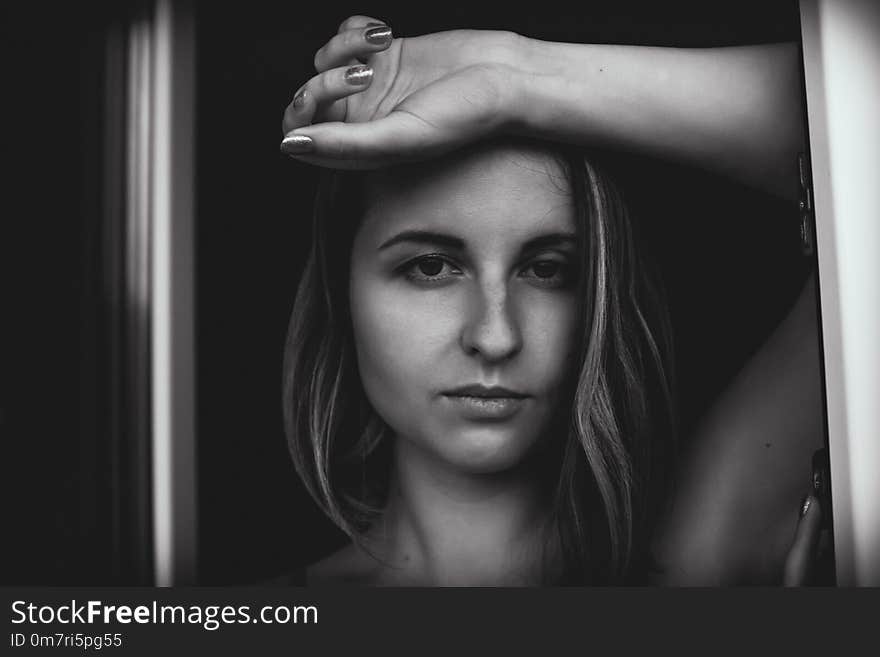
(801, 559)
(408, 98)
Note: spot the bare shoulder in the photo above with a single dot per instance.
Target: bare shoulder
(349, 566)
(733, 515)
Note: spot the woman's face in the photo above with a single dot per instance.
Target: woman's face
(464, 303)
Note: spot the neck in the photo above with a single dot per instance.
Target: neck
(443, 526)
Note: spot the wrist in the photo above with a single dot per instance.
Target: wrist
(505, 58)
(541, 85)
(525, 86)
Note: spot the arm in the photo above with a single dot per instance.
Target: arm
(733, 513)
(736, 111)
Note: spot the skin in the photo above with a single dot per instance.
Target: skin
(734, 512)
(741, 483)
(431, 94)
(466, 505)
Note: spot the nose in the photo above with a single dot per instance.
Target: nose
(491, 331)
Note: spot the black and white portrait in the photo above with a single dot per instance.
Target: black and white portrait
(434, 296)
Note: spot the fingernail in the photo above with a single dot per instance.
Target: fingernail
(805, 505)
(372, 23)
(378, 36)
(299, 99)
(818, 475)
(297, 145)
(359, 75)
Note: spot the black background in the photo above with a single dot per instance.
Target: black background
(730, 259)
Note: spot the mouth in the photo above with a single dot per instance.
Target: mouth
(485, 403)
(485, 392)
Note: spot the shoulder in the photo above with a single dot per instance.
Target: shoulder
(349, 566)
(293, 578)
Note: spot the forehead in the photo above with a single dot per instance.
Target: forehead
(502, 194)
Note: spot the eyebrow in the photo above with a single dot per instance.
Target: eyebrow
(450, 241)
(424, 237)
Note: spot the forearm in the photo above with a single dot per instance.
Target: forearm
(736, 111)
(734, 511)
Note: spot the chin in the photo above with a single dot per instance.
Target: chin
(486, 449)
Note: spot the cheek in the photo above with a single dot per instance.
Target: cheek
(549, 323)
(401, 338)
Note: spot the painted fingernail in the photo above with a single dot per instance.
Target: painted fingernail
(359, 75)
(378, 36)
(299, 99)
(297, 145)
(805, 505)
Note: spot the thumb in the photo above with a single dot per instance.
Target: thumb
(397, 137)
(799, 562)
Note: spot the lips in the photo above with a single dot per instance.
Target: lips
(485, 403)
(485, 392)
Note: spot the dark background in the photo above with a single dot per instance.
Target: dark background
(730, 258)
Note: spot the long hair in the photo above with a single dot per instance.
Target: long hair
(614, 456)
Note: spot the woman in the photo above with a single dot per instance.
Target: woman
(483, 297)
(412, 99)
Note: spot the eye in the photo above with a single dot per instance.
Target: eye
(429, 269)
(552, 273)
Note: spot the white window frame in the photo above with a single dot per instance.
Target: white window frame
(841, 46)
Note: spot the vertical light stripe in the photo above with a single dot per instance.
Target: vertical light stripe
(174, 476)
(139, 164)
(842, 65)
(136, 266)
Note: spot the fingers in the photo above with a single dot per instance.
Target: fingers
(321, 94)
(801, 556)
(353, 44)
(339, 144)
(398, 137)
(357, 22)
(342, 71)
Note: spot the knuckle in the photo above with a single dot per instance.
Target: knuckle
(324, 83)
(287, 122)
(350, 38)
(348, 23)
(294, 118)
(312, 89)
(357, 21)
(319, 58)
